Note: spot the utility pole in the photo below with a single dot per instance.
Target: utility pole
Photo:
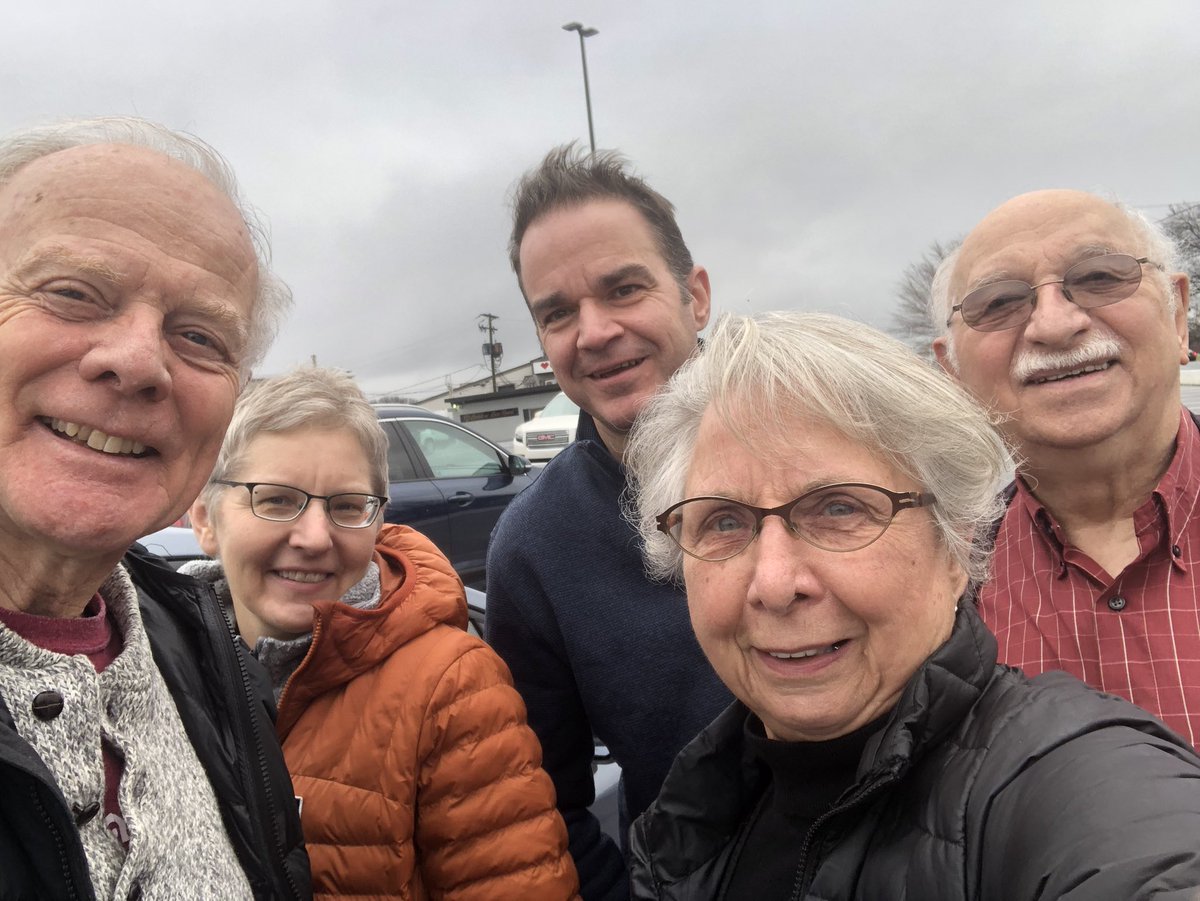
(491, 349)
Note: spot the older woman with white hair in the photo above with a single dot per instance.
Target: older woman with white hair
(821, 492)
(407, 744)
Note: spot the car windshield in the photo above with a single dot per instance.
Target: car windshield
(561, 405)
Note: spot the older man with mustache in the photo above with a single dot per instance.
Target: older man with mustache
(1065, 314)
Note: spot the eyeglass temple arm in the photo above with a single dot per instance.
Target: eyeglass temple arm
(911, 499)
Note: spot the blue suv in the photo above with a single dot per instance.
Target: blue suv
(449, 482)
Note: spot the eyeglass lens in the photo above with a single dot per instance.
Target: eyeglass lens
(834, 518)
(282, 503)
(1091, 283)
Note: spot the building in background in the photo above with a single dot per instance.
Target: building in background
(520, 393)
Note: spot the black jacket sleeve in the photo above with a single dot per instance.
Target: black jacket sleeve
(1112, 814)
(227, 710)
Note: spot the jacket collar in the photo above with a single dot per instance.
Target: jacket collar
(713, 784)
(419, 590)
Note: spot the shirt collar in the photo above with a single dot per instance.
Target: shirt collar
(1175, 498)
(1178, 490)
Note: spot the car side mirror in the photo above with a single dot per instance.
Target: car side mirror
(518, 465)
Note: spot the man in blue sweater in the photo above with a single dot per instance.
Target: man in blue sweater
(595, 648)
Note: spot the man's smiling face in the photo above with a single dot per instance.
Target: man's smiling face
(611, 317)
(1068, 377)
(126, 286)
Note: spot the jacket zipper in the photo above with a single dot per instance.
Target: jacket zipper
(246, 722)
(292, 678)
(59, 844)
(806, 871)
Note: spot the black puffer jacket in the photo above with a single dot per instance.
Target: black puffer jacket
(228, 712)
(983, 785)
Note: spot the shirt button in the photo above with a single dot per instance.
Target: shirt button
(1118, 603)
(1176, 550)
(84, 815)
(47, 705)
(135, 893)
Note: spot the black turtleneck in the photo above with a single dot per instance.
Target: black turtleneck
(806, 778)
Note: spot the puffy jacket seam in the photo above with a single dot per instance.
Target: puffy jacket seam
(472, 690)
(479, 740)
(467, 696)
(522, 773)
(546, 858)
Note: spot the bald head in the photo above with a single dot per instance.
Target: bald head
(1021, 220)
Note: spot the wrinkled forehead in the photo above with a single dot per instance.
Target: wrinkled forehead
(136, 188)
(111, 171)
(769, 428)
(1039, 235)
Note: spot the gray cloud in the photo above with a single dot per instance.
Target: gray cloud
(812, 150)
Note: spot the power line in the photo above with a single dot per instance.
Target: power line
(439, 379)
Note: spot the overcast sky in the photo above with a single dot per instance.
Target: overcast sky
(812, 149)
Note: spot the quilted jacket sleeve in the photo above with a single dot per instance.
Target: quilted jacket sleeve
(486, 825)
(1112, 814)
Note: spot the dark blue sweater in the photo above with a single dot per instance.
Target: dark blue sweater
(594, 646)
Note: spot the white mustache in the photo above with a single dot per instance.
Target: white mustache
(1096, 349)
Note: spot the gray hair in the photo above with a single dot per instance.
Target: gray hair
(761, 373)
(309, 397)
(21, 148)
(1155, 243)
(570, 177)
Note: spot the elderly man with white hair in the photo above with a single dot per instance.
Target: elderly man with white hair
(1066, 315)
(137, 748)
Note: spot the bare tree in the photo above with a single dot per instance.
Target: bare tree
(911, 321)
(1182, 223)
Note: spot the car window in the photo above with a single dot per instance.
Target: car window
(400, 464)
(451, 452)
(560, 405)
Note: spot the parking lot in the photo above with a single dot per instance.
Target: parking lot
(1191, 397)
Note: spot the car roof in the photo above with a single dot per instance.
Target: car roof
(407, 411)
(412, 411)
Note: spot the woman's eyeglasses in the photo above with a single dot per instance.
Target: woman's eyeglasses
(283, 503)
(846, 516)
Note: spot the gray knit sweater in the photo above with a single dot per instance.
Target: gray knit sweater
(178, 847)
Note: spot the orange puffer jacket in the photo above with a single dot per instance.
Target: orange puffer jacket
(408, 747)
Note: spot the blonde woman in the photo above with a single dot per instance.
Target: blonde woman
(407, 744)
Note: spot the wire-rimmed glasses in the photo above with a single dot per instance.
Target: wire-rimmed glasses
(1094, 282)
(283, 503)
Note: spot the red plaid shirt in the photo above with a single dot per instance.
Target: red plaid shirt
(1136, 635)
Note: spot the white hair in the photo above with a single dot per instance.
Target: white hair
(307, 397)
(764, 373)
(21, 148)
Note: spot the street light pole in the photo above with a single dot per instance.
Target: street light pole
(587, 92)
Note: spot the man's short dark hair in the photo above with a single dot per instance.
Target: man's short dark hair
(569, 176)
